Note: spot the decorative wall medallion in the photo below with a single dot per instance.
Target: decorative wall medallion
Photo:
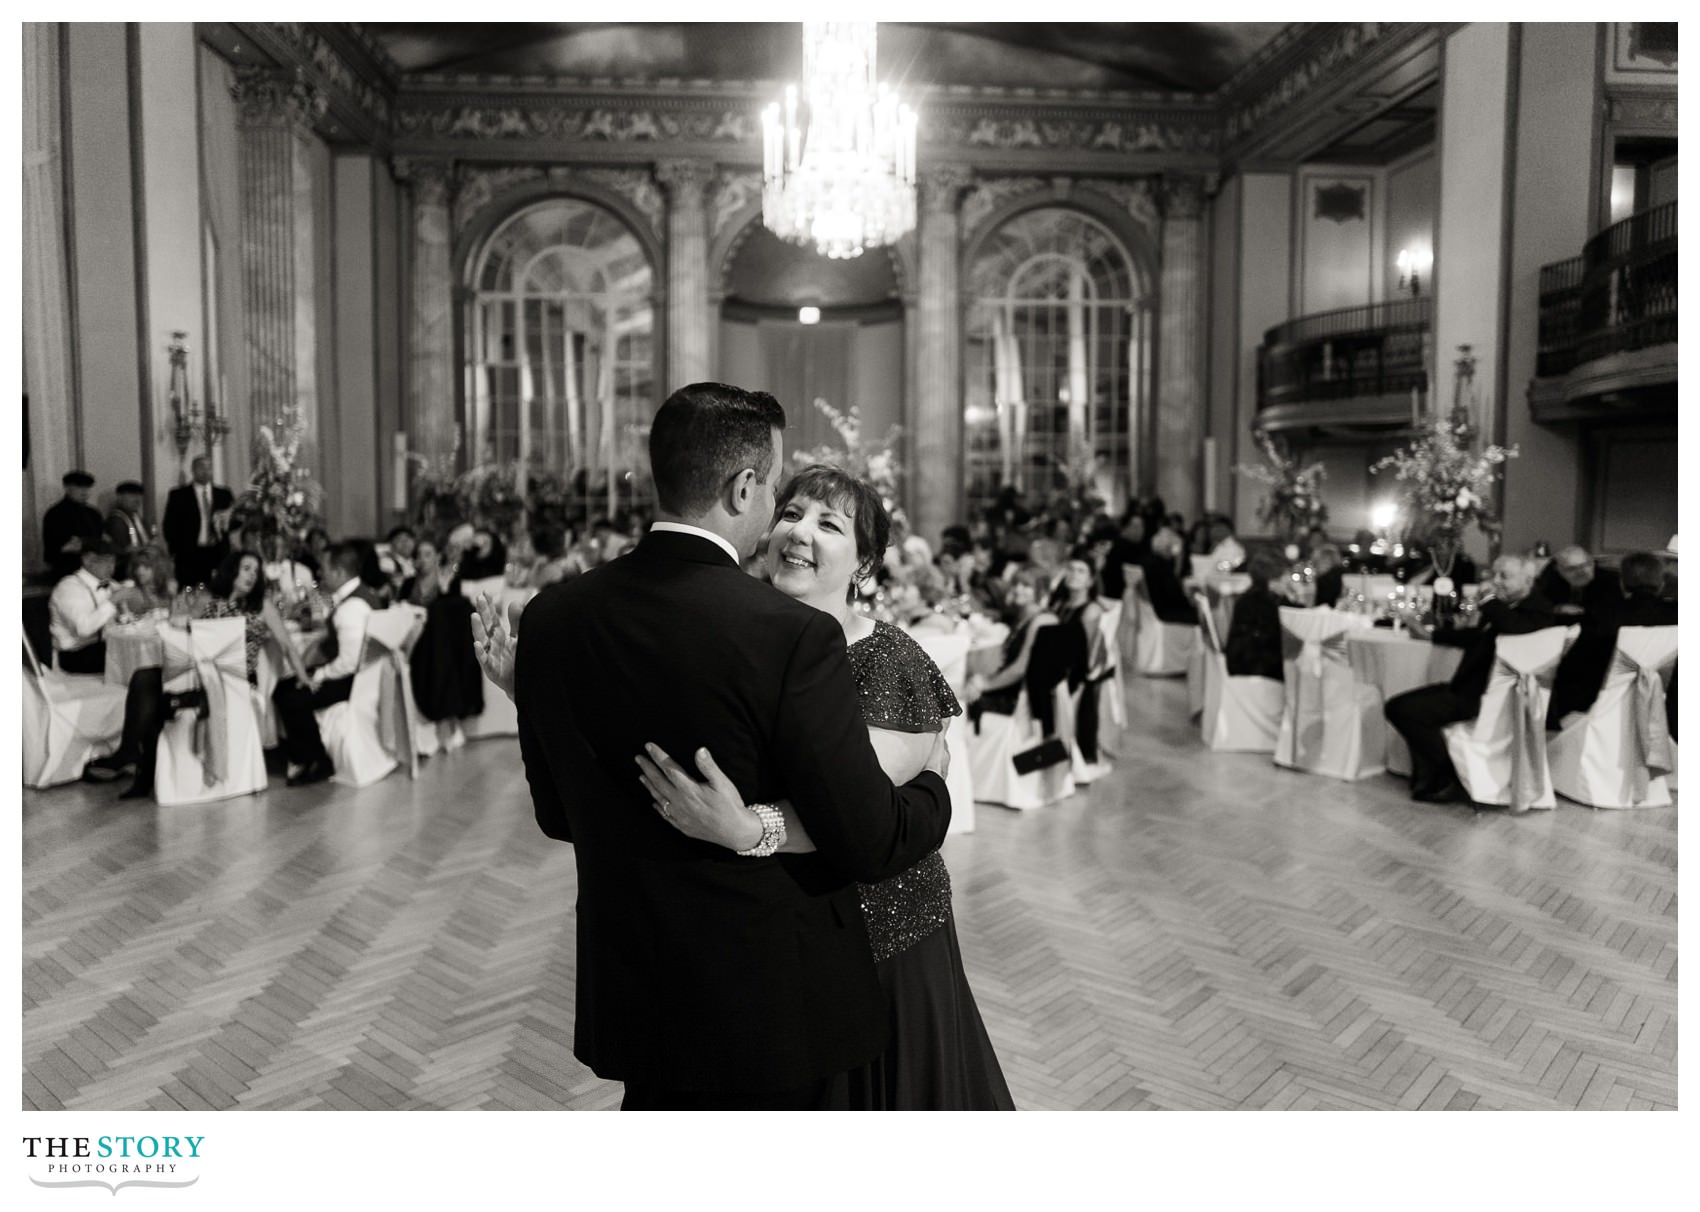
(1340, 202)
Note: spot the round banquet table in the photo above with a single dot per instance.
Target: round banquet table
(1394, 662)
(131, 646)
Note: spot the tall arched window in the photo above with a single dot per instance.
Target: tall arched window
(1060, 333)
(561, 352)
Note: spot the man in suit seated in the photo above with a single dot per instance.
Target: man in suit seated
(1514, 607)
(1253, 646)
(1575, 585)
(80, 606)
(352, 603)
(1583, 669)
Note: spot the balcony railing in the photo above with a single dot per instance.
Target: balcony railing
(1617, 297)
(1352, 353)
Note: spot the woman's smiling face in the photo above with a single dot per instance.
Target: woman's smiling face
(812, 551)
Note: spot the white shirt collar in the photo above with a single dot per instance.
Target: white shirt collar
(344, 590)
(682, 528)
(88, 578)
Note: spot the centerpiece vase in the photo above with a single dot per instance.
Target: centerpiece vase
(1443, 553)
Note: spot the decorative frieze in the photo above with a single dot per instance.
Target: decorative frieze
(565, 122)
(282, 97)
(331, 70)
(1140, 133)
(1332, 50)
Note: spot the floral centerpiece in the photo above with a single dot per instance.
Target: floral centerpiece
(1292, 500)
(1447, 485)
(873, 460)
(282, 500)
(436, 504)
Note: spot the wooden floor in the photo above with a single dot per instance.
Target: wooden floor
(1196, 931)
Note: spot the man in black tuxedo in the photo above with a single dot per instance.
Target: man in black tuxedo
(1583, 669)
(69, 525)
(711, 979)
(1577, 586)
(196, 520)
(1419, 715)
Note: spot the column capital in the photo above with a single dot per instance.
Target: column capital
(430, 178)
(1183, 197)
(941, 188)
(685, 180)
(277, 97)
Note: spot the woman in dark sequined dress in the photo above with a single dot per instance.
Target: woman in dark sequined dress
(830, 532)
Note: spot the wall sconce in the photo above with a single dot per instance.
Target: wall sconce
(188, 421)
(1412, 267)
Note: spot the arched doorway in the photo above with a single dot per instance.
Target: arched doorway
(1059, 339)
(560, 341)
(852, 355)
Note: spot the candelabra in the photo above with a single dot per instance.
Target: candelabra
(189, 420)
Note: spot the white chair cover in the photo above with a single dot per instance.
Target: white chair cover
(1501, 755)
(949, 651)
(1620, 755)
(1330, 722)
(362, 750)
(1161, 650)
(992, 749)
(219, 755)
(68, 719)
(394, 632)
(1112, 707)
(1238, 714)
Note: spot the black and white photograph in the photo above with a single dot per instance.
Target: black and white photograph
(763, 566)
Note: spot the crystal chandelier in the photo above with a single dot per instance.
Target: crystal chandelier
(838, 161)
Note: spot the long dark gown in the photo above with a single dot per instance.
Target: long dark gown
(447, 681)
(940, 1058)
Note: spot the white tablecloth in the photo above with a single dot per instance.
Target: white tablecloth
(129, 647)
(1394, 662)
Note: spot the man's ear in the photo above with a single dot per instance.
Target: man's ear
(740, 492)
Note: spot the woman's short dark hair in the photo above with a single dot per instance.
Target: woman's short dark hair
(705, 434)
(838, 488)
(223, 581)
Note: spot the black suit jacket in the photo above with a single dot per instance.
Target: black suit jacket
(66, 519)
(1253, 646)
(1583, 670)
(1533, 613)
(697, 969)
(181, 525)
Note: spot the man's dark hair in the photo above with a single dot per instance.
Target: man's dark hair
(347, 556)
(1642, 570)
(1266, 568)
(844, 492)
(704, 435)
(399, 530)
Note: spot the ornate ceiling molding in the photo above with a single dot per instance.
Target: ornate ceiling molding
(355, 106)
(1318, 53)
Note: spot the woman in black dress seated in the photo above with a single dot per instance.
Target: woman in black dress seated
(830, 533)
(1163, 581)
(448, 685)
(1253, 646)
(1027, 613)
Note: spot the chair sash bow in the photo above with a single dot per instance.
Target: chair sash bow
(396, 717)
(210, 738)
(1650, 734)
(1528, 732)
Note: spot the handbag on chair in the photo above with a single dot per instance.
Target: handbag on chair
(1049, 752)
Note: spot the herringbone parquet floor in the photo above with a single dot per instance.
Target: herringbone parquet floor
(1196, 931)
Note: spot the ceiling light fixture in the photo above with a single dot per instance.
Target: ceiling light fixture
(838, 156)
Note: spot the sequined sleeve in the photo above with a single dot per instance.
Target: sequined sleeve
(900, 687)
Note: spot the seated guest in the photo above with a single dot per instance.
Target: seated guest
(310, 554)
(1575, 585)
(125, 527)
(372, 573)
(69, 524)
(1330, 573)
(1514, 607)
(1163, 581)
(448, 685)
(1077, 607)
(397, 556)
(555, 560)
(1112, 552)
(485, 556)
(1253, 646)
(237, 590)
(998, 693)
(332, 682)
(1583, 669)
(1226, 551)
(150, 586)
(81, 604)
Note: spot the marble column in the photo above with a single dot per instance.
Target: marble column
(1180, 346)
(430, 419)
(935, 413)
(278, 110)
(688, 325)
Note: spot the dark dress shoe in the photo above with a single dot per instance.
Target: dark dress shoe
(1450, 793)
(313, 772)
(137, 791)
(106, 769)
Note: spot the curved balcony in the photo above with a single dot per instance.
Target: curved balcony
(1355, 366)
(1608, 323)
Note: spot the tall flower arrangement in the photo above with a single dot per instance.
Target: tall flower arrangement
(282, 500)
(873, 460)
(1292, 500)
(436, 504)
(1446, 484)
